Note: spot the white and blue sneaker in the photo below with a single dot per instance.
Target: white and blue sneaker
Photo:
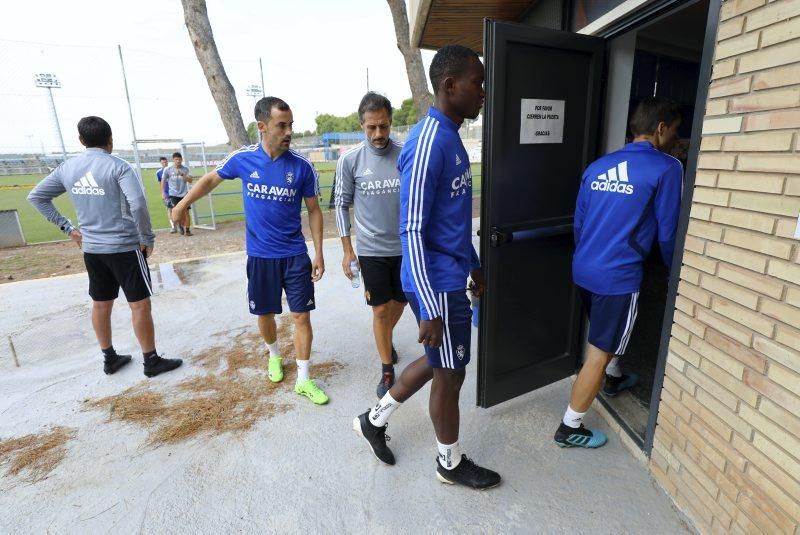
(571, 437)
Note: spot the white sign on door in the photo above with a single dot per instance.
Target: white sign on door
(542, 121)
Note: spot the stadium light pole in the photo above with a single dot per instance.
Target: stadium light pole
(50, 81)
(261, 68)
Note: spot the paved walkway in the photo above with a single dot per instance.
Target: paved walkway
(304, 469)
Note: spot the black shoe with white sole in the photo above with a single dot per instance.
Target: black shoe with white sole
(615, 385)
(113, 363)
(375, 436)
(156, 365)
(469, 474)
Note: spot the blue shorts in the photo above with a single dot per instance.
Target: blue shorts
(268, 277)
(457, 315)
(611, 319)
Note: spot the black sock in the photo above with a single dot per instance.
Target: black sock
(150, 354)
(109, 352)
(387, 368)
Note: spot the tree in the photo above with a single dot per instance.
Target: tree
(252, 132)
(405, 115)
(327, 122)
(413, 58)
(195, 14)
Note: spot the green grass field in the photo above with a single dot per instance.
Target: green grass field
(36, 229)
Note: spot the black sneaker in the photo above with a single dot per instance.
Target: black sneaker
(469, 474)
(375, 436)
(156, 365)
(181, 229)
(571, 437)
(615, 385)
(394, 355)
(387, 382)
(114, 363)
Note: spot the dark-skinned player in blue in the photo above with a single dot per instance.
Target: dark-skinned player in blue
(438, 258)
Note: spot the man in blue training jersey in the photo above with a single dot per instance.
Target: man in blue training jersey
(436, 239)
(168, 203)
(626, 200)
(274, 179)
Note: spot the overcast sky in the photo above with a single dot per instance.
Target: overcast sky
(315, 55)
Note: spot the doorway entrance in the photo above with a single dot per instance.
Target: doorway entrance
(666, 63)
(530, 328)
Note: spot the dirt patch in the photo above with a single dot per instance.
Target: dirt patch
(35, 455)
(243, 350)
(229, 399)
(210, 405)
(64, 258)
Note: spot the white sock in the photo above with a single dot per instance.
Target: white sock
(302, 370)
(171, 224)
(379, 414)
(613, 368)
(449, 454)
(572, 418)
(273, 349)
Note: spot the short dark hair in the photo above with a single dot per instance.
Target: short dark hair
(373, 101)
(650, 112)
(162, 159)
(264, 107)
(94, 131)
(450, 60)
(177, 155)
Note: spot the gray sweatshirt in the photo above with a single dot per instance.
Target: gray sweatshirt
(108, 197)
(368, 178)
(178, 187)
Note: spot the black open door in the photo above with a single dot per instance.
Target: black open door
(540, 131)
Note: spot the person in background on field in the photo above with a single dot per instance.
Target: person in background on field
(168, 203)
(177, 179)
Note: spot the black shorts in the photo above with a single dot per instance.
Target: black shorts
(381, 275)
(175, 201)
(107, 272)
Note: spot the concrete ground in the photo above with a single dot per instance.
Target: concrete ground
(304, 470)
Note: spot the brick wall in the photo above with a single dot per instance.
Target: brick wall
(727, 444)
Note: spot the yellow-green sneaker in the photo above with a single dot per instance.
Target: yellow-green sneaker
(309, 389)
(275, 369)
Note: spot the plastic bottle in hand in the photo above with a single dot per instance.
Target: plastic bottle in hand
(476, 304)
(355, 270)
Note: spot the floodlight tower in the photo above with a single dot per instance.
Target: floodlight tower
(50, 81)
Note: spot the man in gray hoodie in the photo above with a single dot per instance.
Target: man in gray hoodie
(367, 178)
(115, 235)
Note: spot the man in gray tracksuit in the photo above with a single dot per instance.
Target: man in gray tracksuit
(174, 187)
(115, 235)
(368, 179)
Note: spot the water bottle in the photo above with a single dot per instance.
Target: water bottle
(476, 303)
(354, 269)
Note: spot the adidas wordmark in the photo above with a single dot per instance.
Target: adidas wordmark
(615, 180)
(87, 185)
